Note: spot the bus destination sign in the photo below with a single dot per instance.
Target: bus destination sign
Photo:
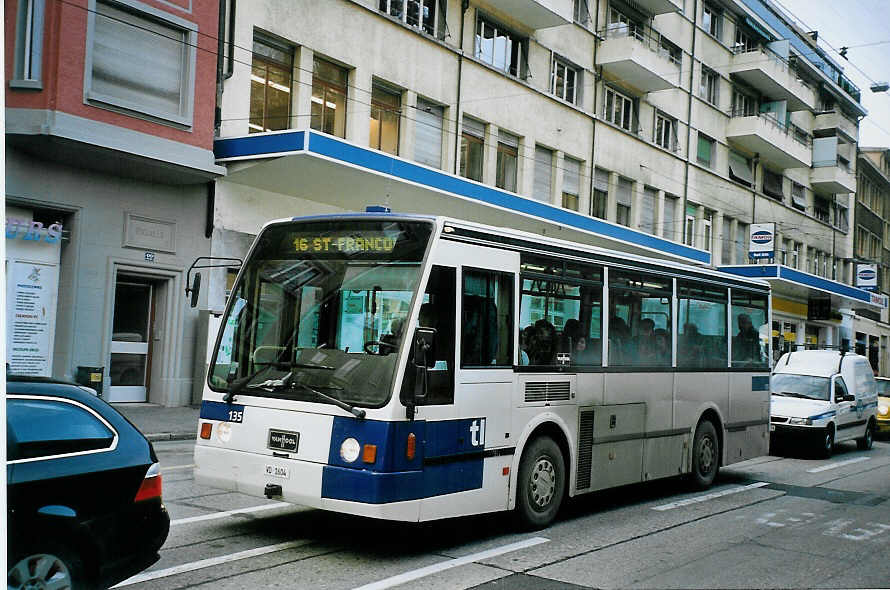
(365, 243)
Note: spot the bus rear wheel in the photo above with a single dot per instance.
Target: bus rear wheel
(541, 483)
(705, 455)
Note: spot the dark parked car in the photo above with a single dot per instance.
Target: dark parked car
(84, 489)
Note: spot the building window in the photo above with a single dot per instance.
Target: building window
(508, 153)
(670, 217)
(741, 243)
(772, 185)
(618, 109)
(471, 149)
(710, 86)
(742, 104)
(647, 209)
(543, 181)
(860, 243)
(271, 77)
(665, 132)
(564, 80)
(500, 48)
(669, 51)
(740, 169)
(571, 183)
(726, 242)
(428, 133)
(799, 201)
(689, 227)
(28, 45)
(743, 41)
(706, 150)
(624, 198)
(385, 113)
(581, 12)
(420, 14)
(599, 200)
(840, 218)
(707, 230)
(621, 25)
(712, 20)
(142, 62)
(328, 98)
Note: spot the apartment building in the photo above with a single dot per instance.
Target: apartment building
(659, 126)
(871, 251)
(109, 168)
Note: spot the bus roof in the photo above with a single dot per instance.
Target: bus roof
(539, 240)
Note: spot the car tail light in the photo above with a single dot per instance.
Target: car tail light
(151, 485)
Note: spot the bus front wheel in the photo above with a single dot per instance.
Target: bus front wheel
(705, 455)
(541, 483)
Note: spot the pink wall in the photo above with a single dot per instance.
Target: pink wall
(64, 51)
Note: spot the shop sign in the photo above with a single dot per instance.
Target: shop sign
(31, 318)
(762, 239)
(867, 276)
(32, 231)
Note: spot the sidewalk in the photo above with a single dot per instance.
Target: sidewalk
(161, 423)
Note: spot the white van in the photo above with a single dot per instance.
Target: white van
(826, 396)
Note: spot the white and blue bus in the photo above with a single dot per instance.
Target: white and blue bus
(416, 368)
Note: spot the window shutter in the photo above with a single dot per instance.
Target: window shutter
(543, 172)
(704, 149)
(799, 197)
(647, 210)
(670, 217)
(601, 180)
(474, 127)
(772, 184)
(428, 135)
(571, 181)
(623, 195)
(739, 168)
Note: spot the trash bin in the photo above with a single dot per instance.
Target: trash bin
(91, 377)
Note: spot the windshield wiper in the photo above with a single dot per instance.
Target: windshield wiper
(286, 382)
(792, 394)
(238, 384)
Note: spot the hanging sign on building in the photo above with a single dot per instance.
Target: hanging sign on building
(31, 318)
(762, 240)
(867, 276)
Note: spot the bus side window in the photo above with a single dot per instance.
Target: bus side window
(487, 319)
(436, 311)
(639, 319)
(702, 341)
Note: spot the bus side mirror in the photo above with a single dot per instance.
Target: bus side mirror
(195, 290)
(424, 358)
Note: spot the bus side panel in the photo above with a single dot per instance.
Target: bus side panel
(493, 495)
(653, 389)
(747, 434)
(695, 391)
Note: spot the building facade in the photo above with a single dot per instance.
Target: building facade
(871, 251)
(667, 125)
(109, 170)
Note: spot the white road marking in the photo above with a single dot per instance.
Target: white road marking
(176, 467)
(711, 496)
(838, 464)
(196, 565)
(445, 565)
(216, 515)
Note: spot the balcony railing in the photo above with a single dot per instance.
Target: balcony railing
(654, 41)
(791, 130)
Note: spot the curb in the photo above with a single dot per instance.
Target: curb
(162, 436)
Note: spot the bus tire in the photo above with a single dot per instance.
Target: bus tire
(868, 438)
(827, 442)
(705, 455)
(540, 484)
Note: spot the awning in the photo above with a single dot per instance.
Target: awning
(739, 168)
(327, 171)
(795, 283)
(752, 24)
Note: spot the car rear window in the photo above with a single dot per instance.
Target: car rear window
(44, 428)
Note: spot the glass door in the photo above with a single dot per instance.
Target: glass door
(130, 341)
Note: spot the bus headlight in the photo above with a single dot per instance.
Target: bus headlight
(349, 450)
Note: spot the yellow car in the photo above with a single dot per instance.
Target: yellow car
(883, 384)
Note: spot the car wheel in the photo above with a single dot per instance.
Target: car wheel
(53, 569)
(541, 483)
(827, 442)
(868, 438)
(705, 455)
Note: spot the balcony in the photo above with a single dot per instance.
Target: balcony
(786, 146)
(773, 77)
(832, 178)
(834, 120)
(655, 7)
(536, 14)
(645, 62)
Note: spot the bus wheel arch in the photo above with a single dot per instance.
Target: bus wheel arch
(542, 480)
(547, 425)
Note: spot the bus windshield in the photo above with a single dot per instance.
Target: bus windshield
(320, 310)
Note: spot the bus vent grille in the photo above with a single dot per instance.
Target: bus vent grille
(585, 449)
(547, 391)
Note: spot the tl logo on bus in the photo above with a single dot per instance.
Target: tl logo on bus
(477, 432)
(762, 237)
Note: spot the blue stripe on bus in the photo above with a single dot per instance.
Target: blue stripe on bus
(446, 460)
(760, 383)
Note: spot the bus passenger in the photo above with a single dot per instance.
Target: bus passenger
(525, 338)
(543, 346)
(390, 342)
(619, 339)
(691, 349)
(746, 344)
(662, 346)
(644, 343)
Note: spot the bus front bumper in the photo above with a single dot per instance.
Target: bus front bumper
(248, 473)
